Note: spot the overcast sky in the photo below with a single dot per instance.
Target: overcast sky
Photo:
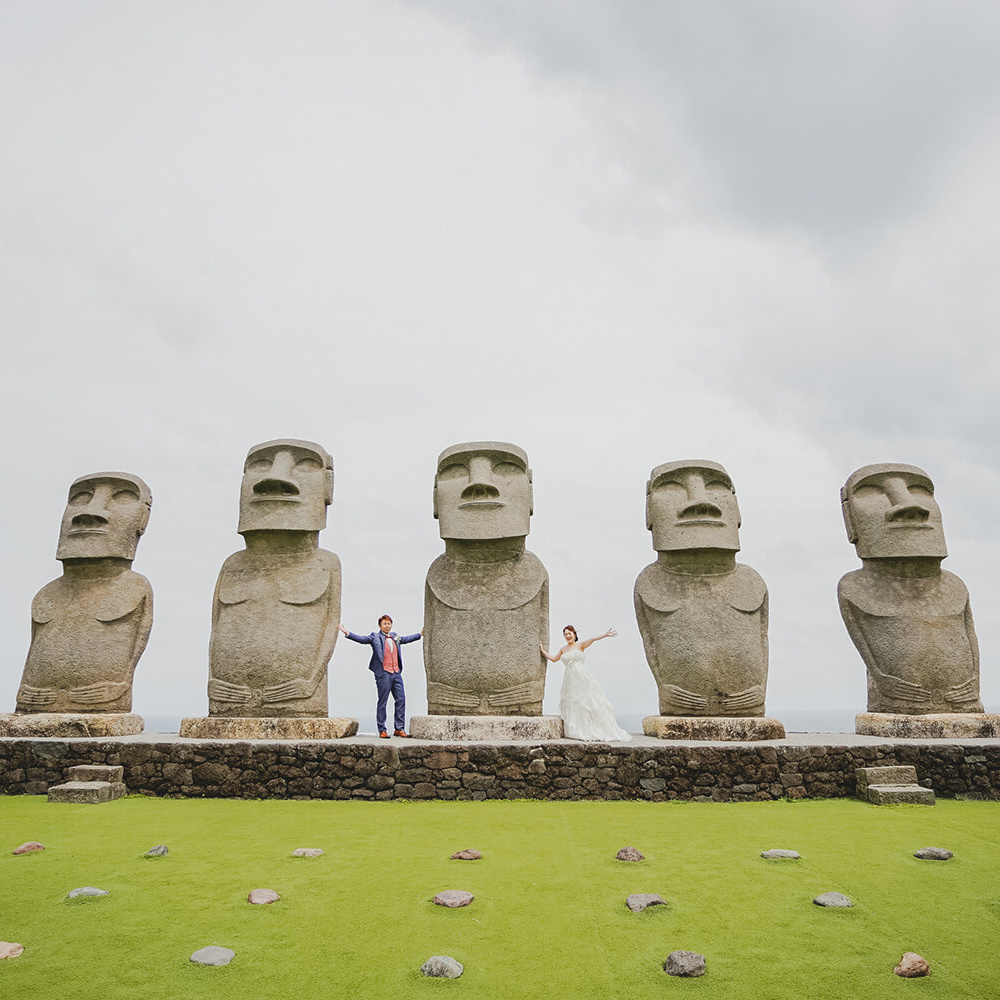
(615, 234)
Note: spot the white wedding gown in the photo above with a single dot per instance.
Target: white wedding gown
(586, 712)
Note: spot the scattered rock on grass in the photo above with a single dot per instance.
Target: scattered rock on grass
(307, 852)
(834, 899)
(630, 854)
(85, 891)
(932, 854)
(638, 901)
(157, 852)
(263, 896)
(454, 898)
(912, 966)
(213, 955)
(28, 848)
(11, 949)
(778, 852)
(469, 854)
(443, 966)
(685, 963)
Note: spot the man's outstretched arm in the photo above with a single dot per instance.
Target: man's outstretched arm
(366, 639)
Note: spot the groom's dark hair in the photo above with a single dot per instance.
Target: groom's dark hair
(384, 617)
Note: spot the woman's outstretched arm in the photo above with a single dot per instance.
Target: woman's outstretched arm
(552, 659)
(610, 634)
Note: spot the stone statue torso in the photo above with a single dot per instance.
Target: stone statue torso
(483, 623)
(87, 636)
(706, 635)
(918, 630)
(272, 621)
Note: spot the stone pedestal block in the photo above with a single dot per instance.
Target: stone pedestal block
(486, 727)
(941, 726)
(729, 728)
(91, 792)
(69, 725)
(272, 728)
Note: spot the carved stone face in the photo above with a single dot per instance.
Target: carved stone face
(482, 491)
(287, 486)
(890, 512)
(692, 505)
(105, 514)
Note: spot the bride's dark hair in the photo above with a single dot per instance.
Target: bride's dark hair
(576, 638)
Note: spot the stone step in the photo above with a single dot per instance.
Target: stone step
(884, 795)
(96, 772)
(900, 774)
(87, 791)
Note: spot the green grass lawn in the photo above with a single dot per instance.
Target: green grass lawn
(549, 918)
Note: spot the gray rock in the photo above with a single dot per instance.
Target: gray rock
(933, 854)
(91, 625)
(442, 966)
(910, 621)
(912, 966)
(454, 898)
(630, 854)
(702, 616)
(157, 852)
(486, 599)
(85, 891)
(638, 901)
(277, 602)
(307, 852)
(213, 955)
(778, 852)
(685, 963)
(469, 854)
(262, 896)
(834, 899)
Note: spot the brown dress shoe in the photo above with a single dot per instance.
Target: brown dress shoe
(401, 732)
(383, 735)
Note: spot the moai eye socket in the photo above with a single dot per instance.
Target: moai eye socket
(508, 469)
(455, 471)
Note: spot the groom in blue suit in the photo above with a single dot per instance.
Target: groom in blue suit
(387, 666)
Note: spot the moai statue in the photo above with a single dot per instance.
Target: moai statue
(90, 626)
(277, 603)
(702, 615)
(486, 601)
(910, 620)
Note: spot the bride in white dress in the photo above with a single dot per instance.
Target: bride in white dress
(586, 712)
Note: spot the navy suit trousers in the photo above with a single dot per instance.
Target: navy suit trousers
(390, 683)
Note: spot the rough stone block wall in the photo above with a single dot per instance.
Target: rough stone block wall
(349, 770)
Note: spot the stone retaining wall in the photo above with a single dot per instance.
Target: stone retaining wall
(348, 770)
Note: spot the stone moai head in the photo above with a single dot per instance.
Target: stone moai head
(287, 486)
(105, 514)
(890, 512)
(692, 505)
(482, 491)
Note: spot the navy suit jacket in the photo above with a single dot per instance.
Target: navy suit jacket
(377, 642)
